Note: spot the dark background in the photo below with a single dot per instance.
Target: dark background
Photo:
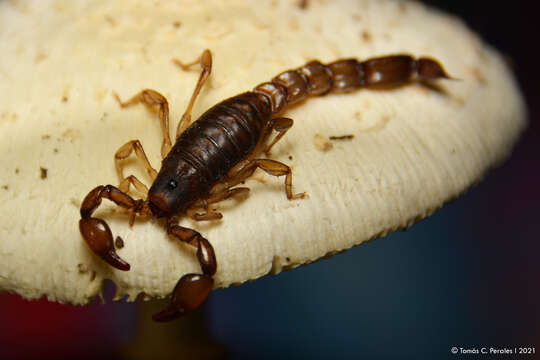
(465, 277)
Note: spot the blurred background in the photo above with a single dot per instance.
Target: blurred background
(466, 276)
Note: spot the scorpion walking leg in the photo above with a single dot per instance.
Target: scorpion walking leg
(132, 179)
(281, 125)
(271, 167)
(215, 196)
(96, 232)
(192, 289)
(152, 98)
(121, 154)
(205, 61)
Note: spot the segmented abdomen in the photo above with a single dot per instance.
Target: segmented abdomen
(221, 137)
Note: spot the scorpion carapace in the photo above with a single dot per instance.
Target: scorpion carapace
(219, 151)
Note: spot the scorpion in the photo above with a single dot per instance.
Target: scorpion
(219, 151)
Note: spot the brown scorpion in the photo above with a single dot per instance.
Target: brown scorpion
(219, 151)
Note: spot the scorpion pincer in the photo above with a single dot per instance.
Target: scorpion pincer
(220, 150)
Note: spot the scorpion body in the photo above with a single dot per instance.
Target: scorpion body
(218, 152)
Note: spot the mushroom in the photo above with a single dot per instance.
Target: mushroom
(412, 148)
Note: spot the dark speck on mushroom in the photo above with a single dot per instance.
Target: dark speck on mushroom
(342, 137)
(119, 242)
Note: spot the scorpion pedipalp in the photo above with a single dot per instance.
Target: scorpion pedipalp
(188, 294)
(98, 236)
(192, 289)
(96, 232)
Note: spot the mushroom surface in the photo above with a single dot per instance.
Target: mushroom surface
(413, 147)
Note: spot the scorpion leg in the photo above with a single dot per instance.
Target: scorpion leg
(224, 189)
(216, 195)
(96, 232)
(121, 154)
(152, 98)
(271, 167)
(192, 289)
(132, 179)
(205, 60)
(281, 125)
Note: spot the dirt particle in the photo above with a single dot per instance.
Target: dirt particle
(322, 143)
(75, 202)
(17, 170)
(366, 36)
(40, 57)
(290, 157)
(65, 94)
(83, 268)
(303, 4)
(43, 172)
(176, 24)
(45, 137)
(403, 7)
(71, 134)
(5, 187)
(459, 100)
(119, 242)
(110, 20)
(55, 150)
(342, 137)
(478, 75)
(384, 120)
(293, 25)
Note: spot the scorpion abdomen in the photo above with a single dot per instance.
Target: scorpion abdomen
(207, 150)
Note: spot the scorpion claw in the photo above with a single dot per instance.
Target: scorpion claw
(116, 261)
(98, 236)
(190, 291)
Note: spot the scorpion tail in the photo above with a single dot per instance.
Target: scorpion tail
(430, 69)
(98, 237)
(190, 291)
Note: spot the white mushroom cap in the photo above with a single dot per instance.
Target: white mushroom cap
(413, 148)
